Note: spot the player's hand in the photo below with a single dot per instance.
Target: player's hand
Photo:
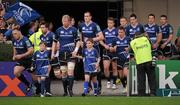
(163, 46)
(14, 58)
(81, 43)
(111, 49)
(126, 49)
(74, 54)
(32, 68)
(106, 47)
(52, 57)
(155, 46)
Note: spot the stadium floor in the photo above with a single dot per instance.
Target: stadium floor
(57, 89)
(90, 100)
(108, 97)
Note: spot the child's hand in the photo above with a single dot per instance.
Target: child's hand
(97, 66)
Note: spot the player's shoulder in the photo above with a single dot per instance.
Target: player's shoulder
(128, 26)
(168, 25)
(73, 28)
(51, 33)
(36, 52)
(95, 50)
(48, 51)
(59, 29)
(146, 25)
(82, 24)
(94, 24)
(127, 38)
(24, 38)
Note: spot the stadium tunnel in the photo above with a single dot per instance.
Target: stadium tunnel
(53, 10)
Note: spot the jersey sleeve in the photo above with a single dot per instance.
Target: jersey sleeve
(77, 37)
(170, 29)
(80, 28)
(28, 44)
(158, 30)
(56, 36)
(98, 29)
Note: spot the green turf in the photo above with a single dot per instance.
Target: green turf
(90, 101)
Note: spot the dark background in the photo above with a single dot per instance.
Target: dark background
(53, 11)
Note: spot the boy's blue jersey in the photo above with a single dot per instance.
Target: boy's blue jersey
(166, 31)
(90, 58)
(131, 31)
(41, 62)
(22, 45)
(67, 38)
(152, 31)
(48, 38)
(121, 45)
(110, 35)
(89, 31)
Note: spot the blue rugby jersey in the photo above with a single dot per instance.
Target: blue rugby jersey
(152, 31)
(110, 35)
(41, 62)
(67, 38)
(130, 30)
(121, 45)
(89, 31)
(166, 31)
(90, 58)
(22, 45)
(48, 38)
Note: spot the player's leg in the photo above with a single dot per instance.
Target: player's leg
(18, 73)
(124, 79)
(106, 64)
(71, 66)
(114, 69)
(120, 72)
(56, 68)
(95, 84)
(36, 84)
(86, 84)
(64, 79)
(48, 83)
(43, 85)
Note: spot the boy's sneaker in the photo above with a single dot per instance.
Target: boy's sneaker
(28, 89)
(48, 94)
(42, 95)
(114, 86)
(108, 86)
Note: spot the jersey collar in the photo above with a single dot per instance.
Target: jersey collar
(87, 24)
(110, 29)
